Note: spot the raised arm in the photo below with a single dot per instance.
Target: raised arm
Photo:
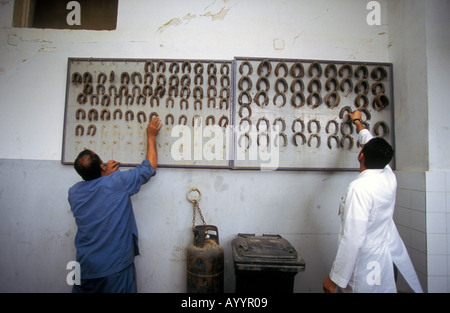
(153, 128)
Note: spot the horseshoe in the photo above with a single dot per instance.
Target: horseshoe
(298, 94)
(141, 99)
(350, 125)
(186, 65)
(248, 140)
(91, 130)
(148, 78)
(265, 135)
(380, 102)
(101, 78)
(129, 115)
(277, 138)
(125, 78)
(195, 103)
(331, 67)
(298, 120)
(297, 81)
(87, 78)
(133, 77)
(384, 126)
(107, 113)
(129, 100)
(350, 139)
(249, 68)
(295, 138)
(283, 123)
(249, 121)
(249, 110)
(211, 68)
(225, 90)
(362, 85)
(265, 100)
(173, 90)
(223, 79)
(317, 125)
(118, 98)
(349, 82)
(93, 115)
(223, 121)
(153, 99)
(336, 127)
(185, 80)
(275, 97)
(349, 69)
(211, 78)
(161, 66)
(123, 90)
(161, 79)
(160, 91)
(198, 68)
(315, 65)
(378, 73)
(184, 100)
(375, 88)
(136, 90)
(210, 119)
(185, 89)
(358, 101)
(117, 111)
(343, 110)
(153, 114)
(82, 99)
(314, 81)
(247, 94)
(150, 64)
(285, 68)
(284, 83)
(213, 102)
(172, 66)
(79, 130)
(80, 112)
(264, 63)
(112, 90)
(301, 70)
(141, 117)
(170, 101)
(314, 136)
(241, 83)
(225, 66)
(336, 138)
(332, 99)
(171, 118)
(261, 119)
(174, 80)
(263, 79)
(88, 89)
(195, 118)
(182, 119)
(227, 103)
(318, 98)
(362, 68)
(77, 79)
(198, 92)
(112, 76)
(147, 90)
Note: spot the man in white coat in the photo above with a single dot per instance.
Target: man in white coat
(369, 243)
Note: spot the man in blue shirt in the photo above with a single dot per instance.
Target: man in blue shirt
(107, 236)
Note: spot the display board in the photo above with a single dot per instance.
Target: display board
(246, 113)
(110, 101)
(293, 114)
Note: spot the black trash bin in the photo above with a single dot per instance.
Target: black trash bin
(265, 263)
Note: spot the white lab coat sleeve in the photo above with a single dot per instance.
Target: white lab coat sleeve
(356, 217)
(364, 136)
(401, 259)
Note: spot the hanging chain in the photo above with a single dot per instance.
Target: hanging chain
(195, 205)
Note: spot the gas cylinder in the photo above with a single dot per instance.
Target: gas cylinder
(205, 261)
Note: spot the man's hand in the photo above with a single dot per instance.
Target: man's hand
(355, 115)
(110, 167)
(153, 127)
(328, 285)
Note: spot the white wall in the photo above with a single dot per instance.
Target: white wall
(36, 225)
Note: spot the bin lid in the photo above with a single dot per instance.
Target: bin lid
(267, 252)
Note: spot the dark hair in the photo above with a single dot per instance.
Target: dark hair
(377, 153)
(87, 164)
